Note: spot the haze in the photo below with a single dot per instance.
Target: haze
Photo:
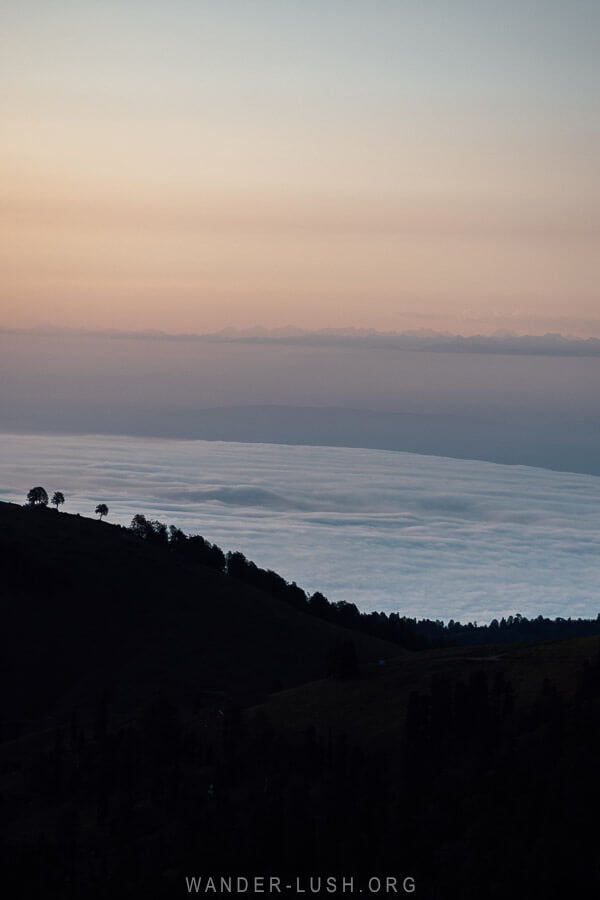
(499, 405)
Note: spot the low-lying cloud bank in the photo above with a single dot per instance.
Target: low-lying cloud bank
(425, 536)
(502, 341)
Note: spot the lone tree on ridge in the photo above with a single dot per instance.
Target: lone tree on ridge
(37, 496)
(102, 510)
(58, 498)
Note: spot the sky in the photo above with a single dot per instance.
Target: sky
(190, 166)
(423, 536)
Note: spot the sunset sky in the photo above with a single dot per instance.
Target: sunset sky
(191, 165)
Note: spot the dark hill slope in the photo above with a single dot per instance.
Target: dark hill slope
(87, 606)
(372, 710)
(476, 772)
(472, 770)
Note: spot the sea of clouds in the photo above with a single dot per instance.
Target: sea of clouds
(423, 535)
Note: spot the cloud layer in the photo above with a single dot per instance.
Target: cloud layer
(425, 536)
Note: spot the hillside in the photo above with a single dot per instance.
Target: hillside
(89, 607)
(161, 720)
(372, 709)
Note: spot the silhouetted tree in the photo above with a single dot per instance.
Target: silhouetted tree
(216, 558)
(58, 498)
(140, 525)
(159, 532)
(37, 496)
(318, 604)
(101, 510)
(177, 538)
(152, 530)
(237, 564)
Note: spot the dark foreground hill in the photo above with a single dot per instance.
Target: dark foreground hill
(88, 608)
(164, 722)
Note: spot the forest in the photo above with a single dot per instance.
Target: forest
(172, 711)
(412, 633)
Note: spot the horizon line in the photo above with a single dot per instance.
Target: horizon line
(502, 340)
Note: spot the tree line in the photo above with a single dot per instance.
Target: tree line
(408, 632)
(411, 633)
